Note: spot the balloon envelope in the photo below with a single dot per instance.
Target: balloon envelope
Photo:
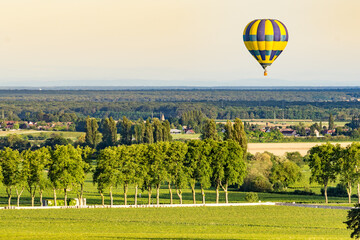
(265, 39)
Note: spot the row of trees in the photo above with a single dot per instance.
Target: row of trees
(144, 166)
(64, 167)
(149, 131)
(328, 162)
(178, 164)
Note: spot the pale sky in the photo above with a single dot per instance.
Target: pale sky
(174, 43)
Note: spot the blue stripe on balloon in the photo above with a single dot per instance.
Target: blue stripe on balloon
(253, 38)
(268, 52)
(261, 31)
(256, 52)
(277, 33)
(283, 38)
(269, 37)
(263, 54)
(247, 32)
(273, 53)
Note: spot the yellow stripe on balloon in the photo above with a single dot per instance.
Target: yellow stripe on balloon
(261, 45)
(253, 31)
(269, 29)
(279, 45)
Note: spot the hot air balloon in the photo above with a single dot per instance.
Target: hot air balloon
(265, 39)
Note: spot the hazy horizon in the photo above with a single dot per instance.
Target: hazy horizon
(173, 43)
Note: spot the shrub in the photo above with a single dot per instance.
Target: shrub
(257, 183)
(251, 197)
(304, 192)
(278, 186)
(338, 191)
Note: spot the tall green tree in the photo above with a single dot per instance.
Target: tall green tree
(139, 131)
(350, 168)
(174, 162)
(126, 131)
(198, 166)
(92, 137)
(234, 166)
(209, 130)
(239, 134)
(137, 155)
(158, 170)
(10, 164)
(218, 155)
(66, 169)
(229, 129)
(148, 134)
(109, 132)
(166, 131)
(158, 130)
(324, 164)
(86, 161)
(34, 163)
(127, 167)
(107, 172)
(331, 122)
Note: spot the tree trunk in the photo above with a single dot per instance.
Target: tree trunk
(158, 194)
(193, 192)
(179, 193)
(170, 192)
(136, 193)
(32, 199)
(111, 197)
(217, 193)
(225, 188)
(81, 195)
(149, 195)
(203, 195)
(55, 202)
(65, 197)
(102, 198)
(125, 193)
(41, 198)
(8, 191)
(18, 194)
(325, 193)
(348, 189)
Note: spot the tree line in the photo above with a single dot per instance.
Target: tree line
(143, 166)
(218, 104)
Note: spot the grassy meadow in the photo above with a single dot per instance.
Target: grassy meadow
(255, 222)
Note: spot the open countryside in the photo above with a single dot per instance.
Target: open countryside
(151, 120)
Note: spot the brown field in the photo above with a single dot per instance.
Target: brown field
(281, 148)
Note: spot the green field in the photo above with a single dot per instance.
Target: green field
(255, 222)
(184, 136)
(65, 134)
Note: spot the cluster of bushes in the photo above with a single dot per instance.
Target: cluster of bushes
(268, 173)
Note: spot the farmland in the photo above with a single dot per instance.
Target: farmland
(281, 148)
(256, 222)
